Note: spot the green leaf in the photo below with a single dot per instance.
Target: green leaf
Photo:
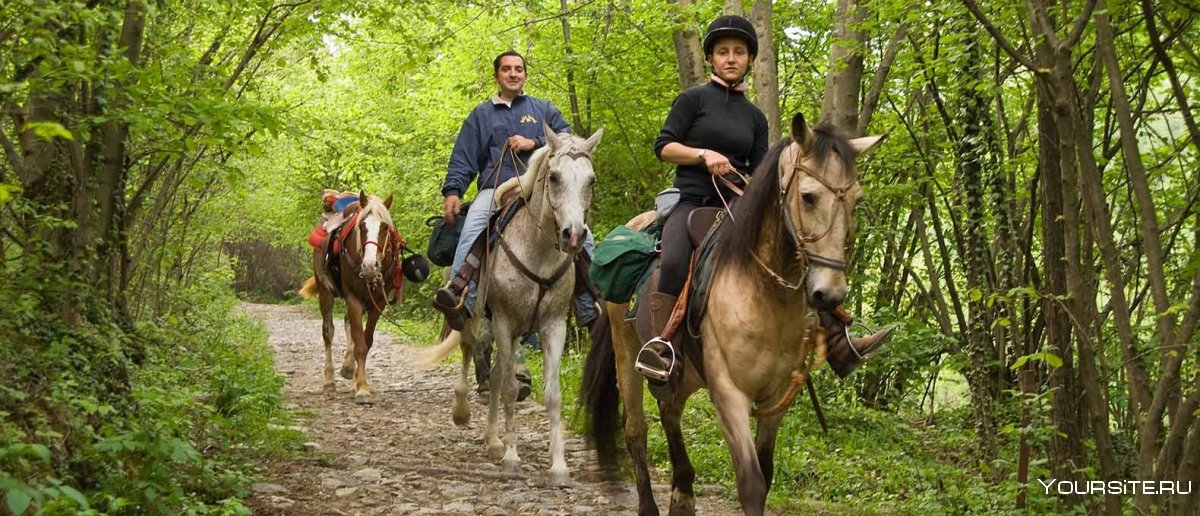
(49, 130)
(975, 294)
(1020, 362)
(74, 494)
(1052, 359)
(39, 451)
(18, 500)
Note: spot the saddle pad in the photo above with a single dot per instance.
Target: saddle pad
(500, 220)
(702, 276)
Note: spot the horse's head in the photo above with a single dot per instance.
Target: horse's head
(567, 180)
(819, 185)
(375, 226)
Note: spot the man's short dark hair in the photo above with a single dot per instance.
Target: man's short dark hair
(496, 62)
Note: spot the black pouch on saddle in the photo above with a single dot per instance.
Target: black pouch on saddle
(443, 238)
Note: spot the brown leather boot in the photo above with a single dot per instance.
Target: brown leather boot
(657, 359)
(843, 352)
(451, 299)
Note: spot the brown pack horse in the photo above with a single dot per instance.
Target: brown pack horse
(781, 252)
(369, 260)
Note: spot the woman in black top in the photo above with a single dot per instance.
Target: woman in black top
(714, 130)
(711, 130)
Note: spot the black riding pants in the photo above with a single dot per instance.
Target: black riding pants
(676, 249)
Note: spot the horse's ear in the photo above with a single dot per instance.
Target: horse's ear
(801, 133)
(551, 138)
(866, 143)
(362, 199)
(594, 140)
(387, 203)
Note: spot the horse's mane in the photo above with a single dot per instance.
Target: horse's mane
(375, 207)
(751, 211)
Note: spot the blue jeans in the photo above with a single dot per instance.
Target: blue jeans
(476, 222)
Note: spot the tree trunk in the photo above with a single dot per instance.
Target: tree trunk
(733, 7)
(844, 77)
(766, 70)
(688, 54)
(576, 122)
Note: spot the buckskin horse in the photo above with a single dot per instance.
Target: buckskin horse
(779, 252)
(366, 271)
(527, 283)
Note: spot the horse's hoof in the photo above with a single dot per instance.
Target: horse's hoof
(495, 450)
(363, 398)
(511, 465)
(348, 373)
(329, 388)
(559, 478)
(462, 419)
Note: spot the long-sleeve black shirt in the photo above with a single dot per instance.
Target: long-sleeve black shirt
(710, 116)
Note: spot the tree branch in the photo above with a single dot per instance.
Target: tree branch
(14, 158)
(1081, 23)
(996, 35)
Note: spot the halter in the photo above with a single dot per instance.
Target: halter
(803, 256)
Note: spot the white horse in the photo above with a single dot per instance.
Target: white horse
(528, 283)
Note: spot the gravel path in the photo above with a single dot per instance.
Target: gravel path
(403, 455)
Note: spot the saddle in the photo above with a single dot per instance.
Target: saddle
(510, 202)
(703, 225)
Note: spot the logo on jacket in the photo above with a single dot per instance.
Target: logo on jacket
(528, 119)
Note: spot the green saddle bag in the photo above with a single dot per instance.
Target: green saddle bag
(621, 261)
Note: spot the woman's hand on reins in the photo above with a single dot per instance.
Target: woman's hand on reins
(717, 163)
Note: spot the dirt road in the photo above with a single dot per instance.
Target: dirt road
(403, 455)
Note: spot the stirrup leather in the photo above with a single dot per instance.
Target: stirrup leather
(653, 372)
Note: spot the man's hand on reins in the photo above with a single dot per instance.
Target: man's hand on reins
(520, 143)
(451, 207)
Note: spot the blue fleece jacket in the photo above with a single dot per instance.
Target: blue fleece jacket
(483, 134)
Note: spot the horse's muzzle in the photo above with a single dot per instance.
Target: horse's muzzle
(571, 238)
(371, 274)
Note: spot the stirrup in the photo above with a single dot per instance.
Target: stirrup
(653, 372)
(850, 340)
(850, 343)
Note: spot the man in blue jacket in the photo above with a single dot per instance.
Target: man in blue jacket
(509, 119)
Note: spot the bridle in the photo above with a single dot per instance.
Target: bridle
(804, 257)
(392, 242)
(544, 283)
(575, 153)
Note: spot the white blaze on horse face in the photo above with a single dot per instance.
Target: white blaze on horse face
(370, 263)
(569, 184)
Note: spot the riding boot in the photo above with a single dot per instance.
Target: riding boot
(450, 299)
(843, 352)
(587, 309)
(657, 359)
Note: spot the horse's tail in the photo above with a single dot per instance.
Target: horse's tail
(429, 358)
(599, 395)
(309, 290)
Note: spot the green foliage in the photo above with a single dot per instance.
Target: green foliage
(175, 427)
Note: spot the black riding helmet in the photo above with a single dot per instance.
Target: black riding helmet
(731, 25)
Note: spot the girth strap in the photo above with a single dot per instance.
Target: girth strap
(544, 284)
